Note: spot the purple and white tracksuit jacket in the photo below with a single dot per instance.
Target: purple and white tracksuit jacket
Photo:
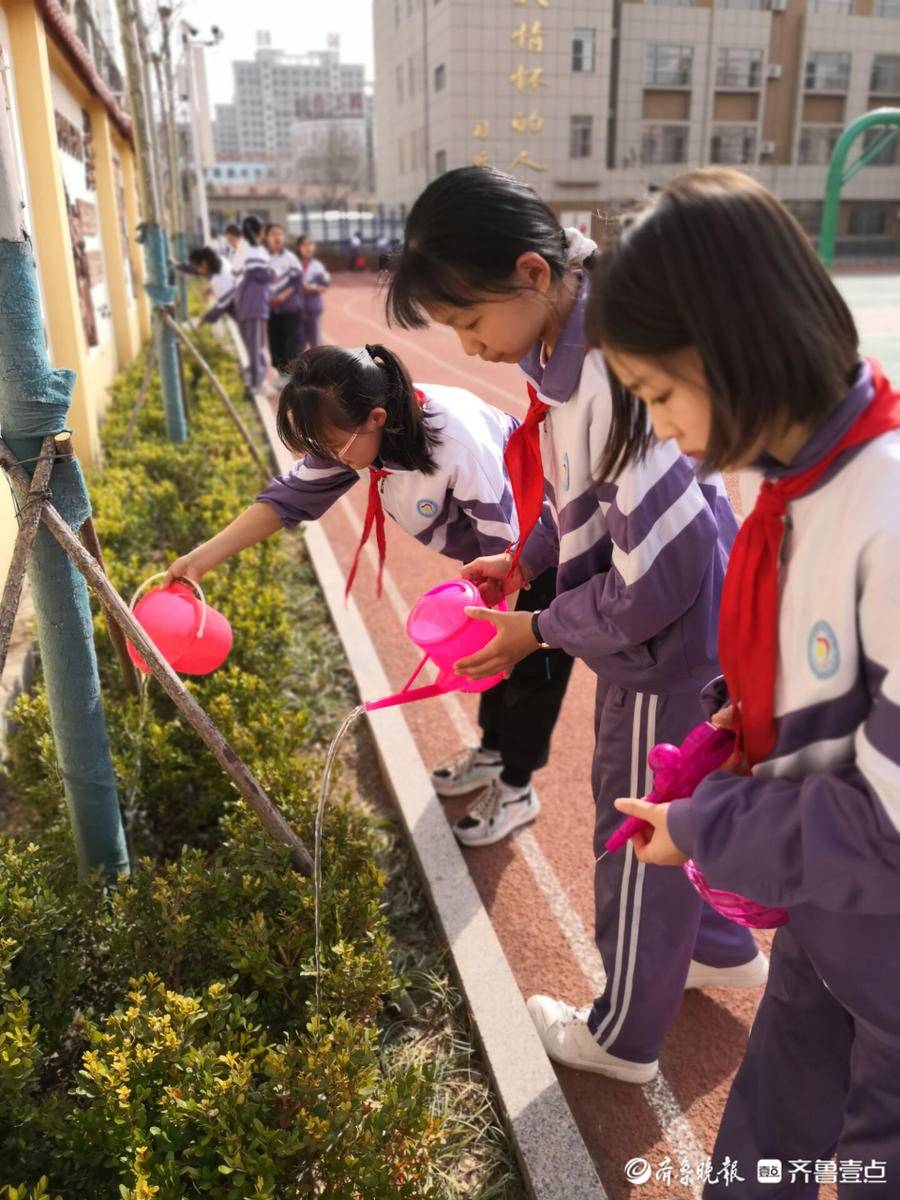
(816, 829)
(286, 272)
(464, 509)
(313, 303)
(641, 565)
(252, 275)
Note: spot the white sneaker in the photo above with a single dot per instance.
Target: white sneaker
(497, 812)
(747, 975)
(467, 771)
(564, 1032)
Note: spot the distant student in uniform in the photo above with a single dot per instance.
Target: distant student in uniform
(286, 301)
(315, 282)
(252, 277)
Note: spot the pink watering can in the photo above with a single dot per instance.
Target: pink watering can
(192, 637)
(439, 626)
(677, 770)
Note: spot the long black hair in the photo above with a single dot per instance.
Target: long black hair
(715, 262)
(463, 237)
(331, 385)
(251, 228)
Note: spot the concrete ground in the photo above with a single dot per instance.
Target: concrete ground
(537, 885)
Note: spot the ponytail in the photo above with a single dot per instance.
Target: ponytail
(408, 440)
(251, 228)
(333, 386)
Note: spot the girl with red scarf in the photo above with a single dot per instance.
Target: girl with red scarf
(713, 311)
(641, 561)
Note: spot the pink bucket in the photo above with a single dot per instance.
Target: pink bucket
(439, 625)
(192, 637)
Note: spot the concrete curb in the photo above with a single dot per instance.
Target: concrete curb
(554, 1159)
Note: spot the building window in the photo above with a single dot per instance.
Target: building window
(664, 144)
(755, 4)
(440, 162)
(411, 72)
(889, 155)
(668, 66)
(581, 136)
(887, 8)
(844, 7)
(808, 214)
(583, 50)
(885, 79)
(827, 71)
(400, 84)
(817, 143)
(733, 144)
(677, 3)
(440, 78)
(867, 219)
(401, 155)
(739, 67)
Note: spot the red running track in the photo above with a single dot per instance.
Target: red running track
(537, 885)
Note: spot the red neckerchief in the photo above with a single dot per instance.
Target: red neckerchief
(748, 622)
(522, 458)
(375, 516)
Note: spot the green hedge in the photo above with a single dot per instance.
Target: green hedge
(158, 1039)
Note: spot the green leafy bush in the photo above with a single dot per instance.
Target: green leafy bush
(160, 1038)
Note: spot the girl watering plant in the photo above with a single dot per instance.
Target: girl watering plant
(434, 460)
(641, 560)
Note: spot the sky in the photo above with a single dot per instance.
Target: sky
(296, 26)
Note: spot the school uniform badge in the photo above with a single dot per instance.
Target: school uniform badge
(426, 508)
(822, 651)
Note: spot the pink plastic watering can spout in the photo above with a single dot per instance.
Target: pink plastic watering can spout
(408, 694)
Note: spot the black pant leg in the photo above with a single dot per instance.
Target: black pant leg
(517, 717)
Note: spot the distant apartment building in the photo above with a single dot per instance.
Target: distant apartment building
(593, 103)
(275, 89)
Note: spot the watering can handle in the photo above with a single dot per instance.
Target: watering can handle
(181, 579)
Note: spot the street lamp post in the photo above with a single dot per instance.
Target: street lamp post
(193, 44)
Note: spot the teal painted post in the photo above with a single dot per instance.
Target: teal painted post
(181, 253)
(162, 294)
(34, 401)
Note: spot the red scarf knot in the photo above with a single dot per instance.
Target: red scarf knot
(522, 458)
